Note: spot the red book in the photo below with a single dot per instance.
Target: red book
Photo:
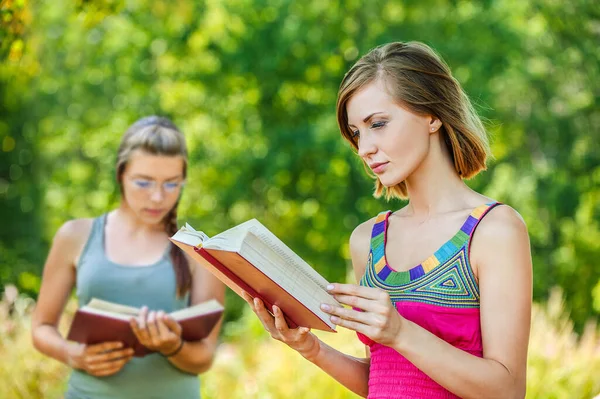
(250, 258)
(101, 321)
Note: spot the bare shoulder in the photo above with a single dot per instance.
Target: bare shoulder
(501, 222)
(360, 244)
(68, 243)
(75, 231)
(72, 236)
(500, 233)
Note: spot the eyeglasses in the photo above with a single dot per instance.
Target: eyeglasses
(150, 185)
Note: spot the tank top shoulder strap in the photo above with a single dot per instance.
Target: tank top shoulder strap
(378, 239)
(95, 241)
(475, 218)
(473, 221)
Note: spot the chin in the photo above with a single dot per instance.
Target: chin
(149, 219)
(391, 181)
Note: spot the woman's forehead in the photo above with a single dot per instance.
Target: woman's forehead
(156, 166)
(372, 98)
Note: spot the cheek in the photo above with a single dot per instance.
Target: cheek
(171, 201)
(134, 199)
(409, 146)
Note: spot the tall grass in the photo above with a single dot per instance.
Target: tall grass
(250, 365)
(561, 364)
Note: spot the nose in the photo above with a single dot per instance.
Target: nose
(157, 194)
(366, 145)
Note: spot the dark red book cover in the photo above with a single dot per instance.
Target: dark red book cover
(90, 328)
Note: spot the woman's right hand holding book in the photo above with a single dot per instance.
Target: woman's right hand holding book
(99, 360)
(300, 339)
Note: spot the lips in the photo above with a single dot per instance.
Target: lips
(154, 212)
(378, 167)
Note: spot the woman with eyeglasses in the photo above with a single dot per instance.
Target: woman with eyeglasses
(124, 256)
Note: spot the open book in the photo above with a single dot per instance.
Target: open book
(102, 321)
(249, 257)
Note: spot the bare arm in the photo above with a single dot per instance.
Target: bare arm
(197, 357)
(57, 282)
(350, 371)
(500, 251)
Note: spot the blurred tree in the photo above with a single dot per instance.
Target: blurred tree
(21, 243)
(253, 84)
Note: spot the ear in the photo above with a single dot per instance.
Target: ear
(434, 124)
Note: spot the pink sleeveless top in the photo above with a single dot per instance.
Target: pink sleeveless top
(440, 295)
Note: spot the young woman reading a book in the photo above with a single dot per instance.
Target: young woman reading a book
(125, 256)
(444, 299)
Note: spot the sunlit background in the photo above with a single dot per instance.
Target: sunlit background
(252, 84)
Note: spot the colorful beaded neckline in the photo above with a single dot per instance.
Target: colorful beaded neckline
(379, 237)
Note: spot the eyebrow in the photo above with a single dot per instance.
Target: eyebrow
(369, 117)
(141, 176)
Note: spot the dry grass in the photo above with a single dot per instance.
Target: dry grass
(250, 365)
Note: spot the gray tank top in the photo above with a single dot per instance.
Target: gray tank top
(152, 376)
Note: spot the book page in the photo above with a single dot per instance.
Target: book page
(289, 256)
(106, 313)
(111, 307)
(188, 235)
(199, 309)
(231, 239)
(289, 277)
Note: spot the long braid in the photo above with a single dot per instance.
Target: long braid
(181, 266)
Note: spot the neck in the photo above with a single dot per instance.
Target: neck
(435, 187)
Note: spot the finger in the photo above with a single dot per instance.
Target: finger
(264, 316)
(142, 318)
(171, 324)
(106, 369)
(142, 323)
(134, 326)
(104, 365)
(301, 333)
(153, 329)
(303, 330)
(280, 323)
(348, 314)
(109, 357)
(141, 335)
(246, 297)
(355, 290)
(163, 331)
(352, 325)
(103, 347)
(367, 305)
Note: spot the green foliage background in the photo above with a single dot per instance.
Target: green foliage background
(253, 83)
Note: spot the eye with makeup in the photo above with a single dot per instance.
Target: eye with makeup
(143, 184)
(147, 185)
(378, 124)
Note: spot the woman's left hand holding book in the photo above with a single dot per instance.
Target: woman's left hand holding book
(157, 331)
(299, 339)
